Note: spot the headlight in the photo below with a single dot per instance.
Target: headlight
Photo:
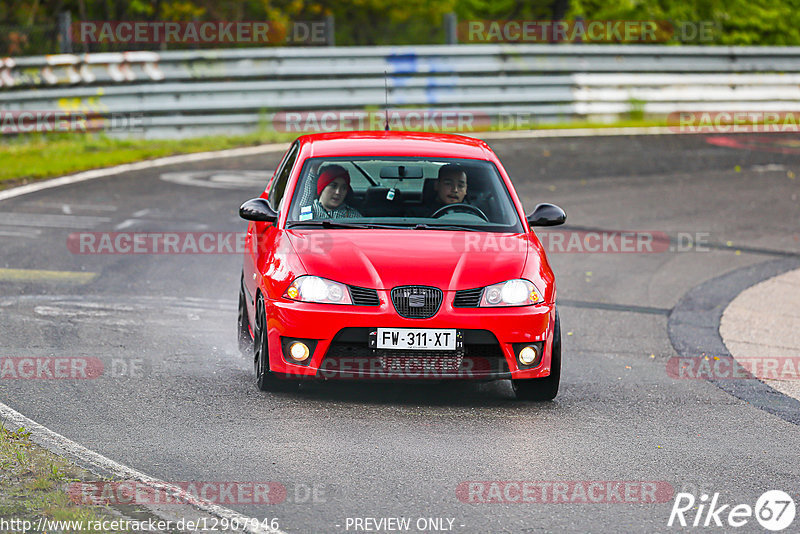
(316, 289)
(511, 293)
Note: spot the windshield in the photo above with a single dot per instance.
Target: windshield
(439, 194)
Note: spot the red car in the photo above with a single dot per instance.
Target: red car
(397, 255)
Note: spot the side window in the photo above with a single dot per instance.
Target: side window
(281, 178)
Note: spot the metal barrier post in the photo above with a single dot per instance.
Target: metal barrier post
(65, 32)
(330, 34)
(450, 28)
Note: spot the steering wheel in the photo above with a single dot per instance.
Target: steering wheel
(460, 207)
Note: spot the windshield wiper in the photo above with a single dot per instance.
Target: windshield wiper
(331, 223)
(328, 223)
(445, 227)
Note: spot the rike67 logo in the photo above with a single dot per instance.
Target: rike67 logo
(774, 510)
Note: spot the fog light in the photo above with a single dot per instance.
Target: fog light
(298, 351)
(528, 355)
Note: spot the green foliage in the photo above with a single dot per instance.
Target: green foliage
(731, 22)
(26, 26)
(636, 112)
(504, 10)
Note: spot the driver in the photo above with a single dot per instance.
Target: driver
(450, 188)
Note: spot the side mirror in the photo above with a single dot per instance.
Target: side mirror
(547, 215)
(257, 209)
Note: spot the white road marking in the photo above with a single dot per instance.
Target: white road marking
(220, 179)
(66, 209)
(54, 311)
(37, 275)
(126, 224)
(79, 207)
(102, 465)
(130, 311)
(769, 167)
(108, 317)
(20, 232)
(49, 220)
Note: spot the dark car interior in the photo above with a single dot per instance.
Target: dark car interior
(380, 189)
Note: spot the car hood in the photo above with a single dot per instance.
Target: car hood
(384, 259)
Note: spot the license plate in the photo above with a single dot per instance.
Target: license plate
(416, 338)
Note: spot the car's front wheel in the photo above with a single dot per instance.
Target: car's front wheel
(265, 379)
(543, 389)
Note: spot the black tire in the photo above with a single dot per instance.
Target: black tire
(265, 379)
(243, 324)
(543, 389)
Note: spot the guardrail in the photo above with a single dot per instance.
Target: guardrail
(200, 92)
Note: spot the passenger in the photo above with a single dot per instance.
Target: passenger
(333, 185)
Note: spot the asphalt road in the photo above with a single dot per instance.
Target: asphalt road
(177, 401)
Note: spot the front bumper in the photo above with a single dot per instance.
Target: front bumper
(341, 350)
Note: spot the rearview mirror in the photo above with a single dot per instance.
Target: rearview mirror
(257, 209)
(547, 215)
(401, 172)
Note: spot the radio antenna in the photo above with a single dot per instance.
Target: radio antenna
(386, 94)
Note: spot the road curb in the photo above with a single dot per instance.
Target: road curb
(693, 329)
(105, 467)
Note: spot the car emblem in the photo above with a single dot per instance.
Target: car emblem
(416, 301)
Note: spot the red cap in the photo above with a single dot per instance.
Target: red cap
(331, 173)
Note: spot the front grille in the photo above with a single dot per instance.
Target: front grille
(471, 362)
(468, 298)
(416, 302)
(364, 297)
(418, 363)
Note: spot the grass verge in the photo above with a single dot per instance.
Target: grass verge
(26, 159)
(32, 486)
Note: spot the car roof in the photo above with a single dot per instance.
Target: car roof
(395, 143)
